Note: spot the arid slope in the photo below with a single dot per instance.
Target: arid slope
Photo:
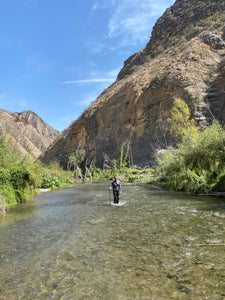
(27, 132)
(184, 58)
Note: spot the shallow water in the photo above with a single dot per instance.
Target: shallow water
(73, 244)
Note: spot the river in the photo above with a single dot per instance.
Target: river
(73, 244)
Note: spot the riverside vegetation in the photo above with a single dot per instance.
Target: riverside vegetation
(196, 165)
(22, 178)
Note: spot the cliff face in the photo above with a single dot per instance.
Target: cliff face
(27, 132)
(184, 58)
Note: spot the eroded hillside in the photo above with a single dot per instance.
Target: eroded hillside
(184, 58)
(27, 132)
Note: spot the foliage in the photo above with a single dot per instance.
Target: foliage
(19, 178)
(157, 51)
(180, 123)
(114, 167)
(9, 194)
(197, 165)
(191, 31)
(80, 163)
(8, 154)
(49, 181)
(96, 172)
(123, 159)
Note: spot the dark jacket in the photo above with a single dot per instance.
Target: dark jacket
(116, 185)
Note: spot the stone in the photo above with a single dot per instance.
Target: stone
(213, 40)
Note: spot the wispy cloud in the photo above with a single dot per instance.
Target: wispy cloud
(92, 80)
(99, 84)
(97, 77)
(101, 4)
(132, 20)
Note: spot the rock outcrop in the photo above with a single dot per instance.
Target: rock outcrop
(27, 132)
(184, 58)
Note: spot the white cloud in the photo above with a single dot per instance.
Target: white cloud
(100, 4)
(98, 77)
(91, 80)
(132, 20)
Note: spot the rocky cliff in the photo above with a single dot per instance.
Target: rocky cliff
(184, 58)
(27, 132)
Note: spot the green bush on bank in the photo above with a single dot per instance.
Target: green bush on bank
(198, 163)
(20, 178)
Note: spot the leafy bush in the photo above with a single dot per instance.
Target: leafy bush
(22, 196)
(9, 194)
(133, 178)
(49, 181)
(96, 172)
(19, 177)
(197, 165)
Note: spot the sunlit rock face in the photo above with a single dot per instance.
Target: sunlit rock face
(27, 132)
(184, 58)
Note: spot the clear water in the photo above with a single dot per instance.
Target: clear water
(73, 244)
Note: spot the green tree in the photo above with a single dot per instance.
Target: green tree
(180, 122)
(123, 159)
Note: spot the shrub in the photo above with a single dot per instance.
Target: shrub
(133, 178)
(49, 181)
(19, 177)
(197, 165)
(9, 194)
(96, 172)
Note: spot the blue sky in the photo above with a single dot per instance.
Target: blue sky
(57, 56)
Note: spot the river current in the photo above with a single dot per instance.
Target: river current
(73, 244)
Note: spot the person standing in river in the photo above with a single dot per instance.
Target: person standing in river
(117, 189)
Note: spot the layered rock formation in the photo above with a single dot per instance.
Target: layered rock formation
(184, 58)
(27, 132)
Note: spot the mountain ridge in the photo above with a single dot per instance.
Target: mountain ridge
(185, 62)
(28, 133)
